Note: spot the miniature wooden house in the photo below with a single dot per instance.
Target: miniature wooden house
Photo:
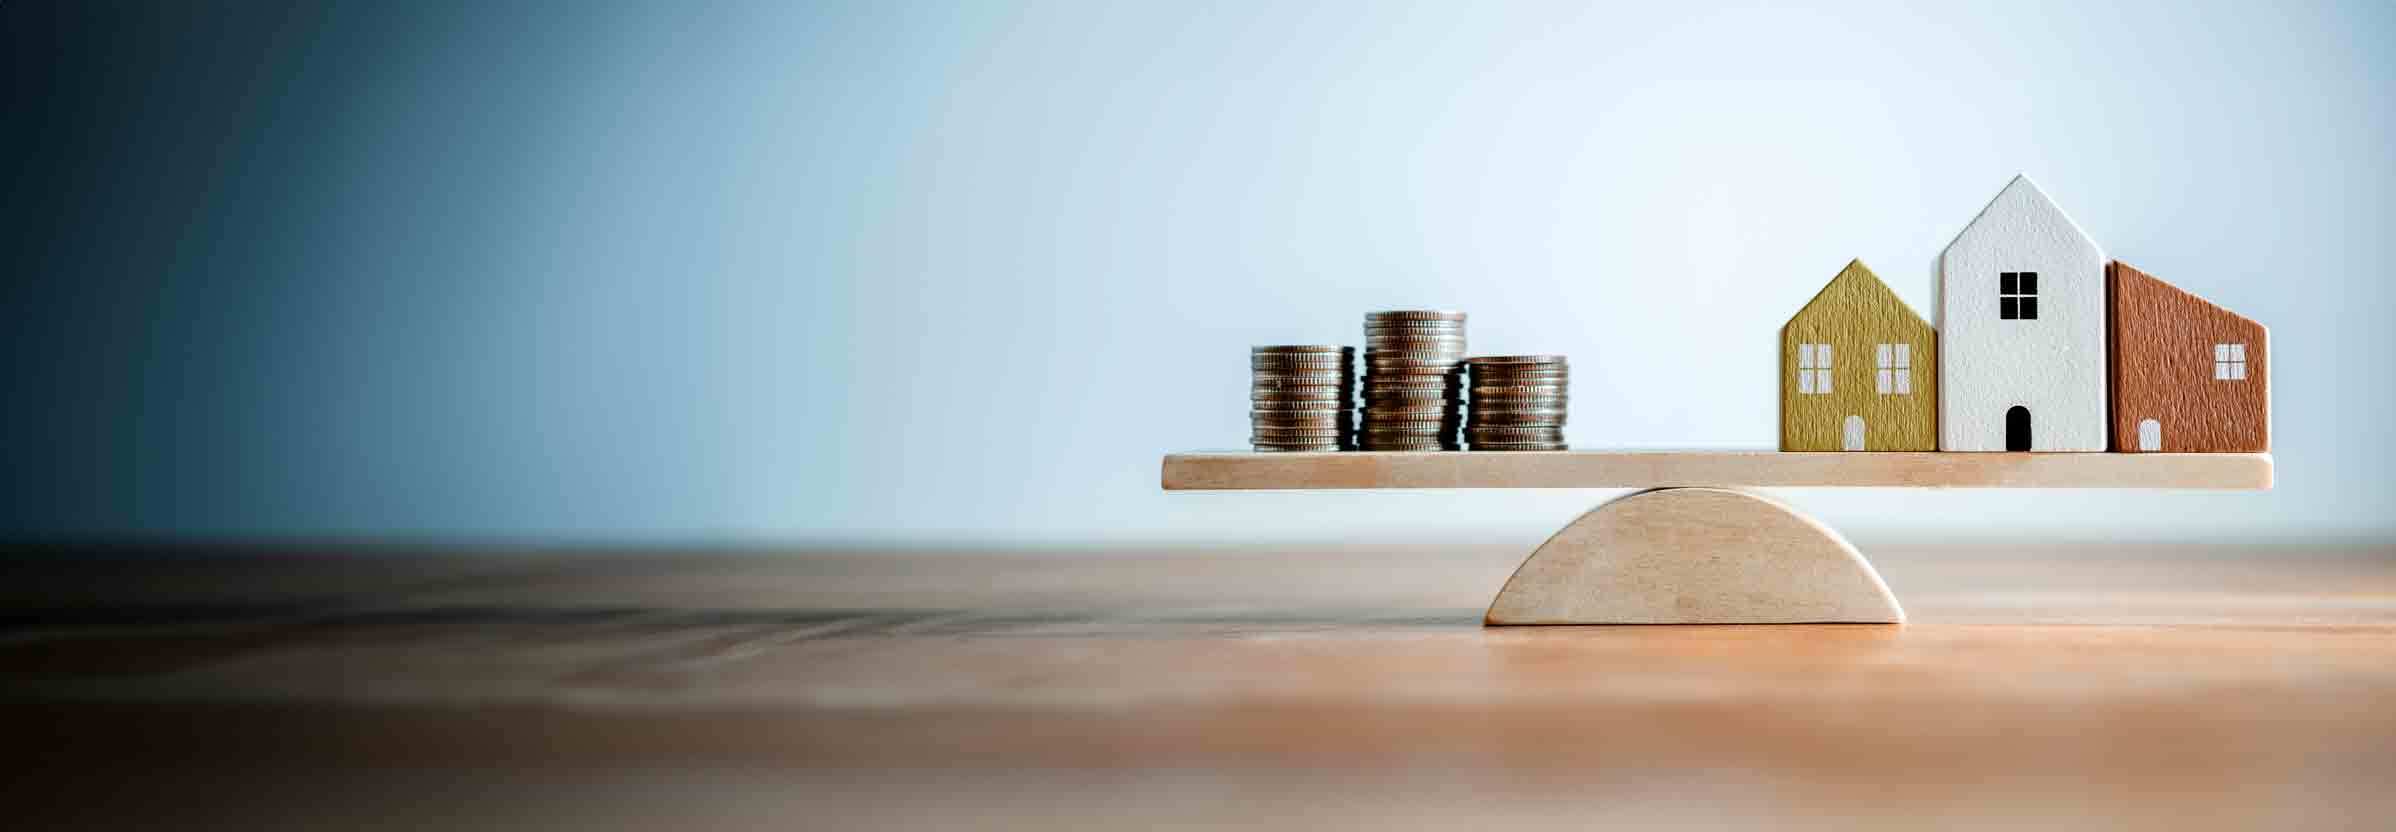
(2188, 376)
(2022, 318)
(1858, 371)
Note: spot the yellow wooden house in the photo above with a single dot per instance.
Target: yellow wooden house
(1858, 371)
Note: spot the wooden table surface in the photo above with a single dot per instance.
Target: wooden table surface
(2121, 686)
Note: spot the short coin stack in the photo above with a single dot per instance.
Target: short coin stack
(1413, 381)
(1299, 398)
(1518, 403)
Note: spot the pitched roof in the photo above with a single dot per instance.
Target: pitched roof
(1861, 277)
(2024, 194)
(2128, 272)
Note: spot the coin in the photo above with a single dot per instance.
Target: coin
(1517, 399)
(1507, 360)
(1413, 394)
(1420, 391)
(1505, 432)
(1300, 358)
(1552, 418)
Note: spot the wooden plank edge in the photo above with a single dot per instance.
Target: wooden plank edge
(1358, 470)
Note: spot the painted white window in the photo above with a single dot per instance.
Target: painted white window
(2229, 362)
(2150, 435)
(1813, 369)
(1895, 374)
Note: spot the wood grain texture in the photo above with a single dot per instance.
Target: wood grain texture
(1239, 470)
(2055, 365)
(1694, 556)
(2114, 687)
(1855, 314)
(2165, 369)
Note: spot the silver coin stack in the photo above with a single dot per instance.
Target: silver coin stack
(1413, 381)
(1518, 402)
(1299, 398)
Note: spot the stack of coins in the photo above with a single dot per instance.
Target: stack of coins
(1413, 381)
(1299, 399)
(1517, 403)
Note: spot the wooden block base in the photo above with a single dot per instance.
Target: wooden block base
(1695, 556)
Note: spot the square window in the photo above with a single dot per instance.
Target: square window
(2017, 294)
(2229, 362)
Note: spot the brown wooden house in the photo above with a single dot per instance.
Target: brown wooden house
(2187, 376)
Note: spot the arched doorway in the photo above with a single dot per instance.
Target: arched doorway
(2017, 429)
(2150, 435)
(1854, 433)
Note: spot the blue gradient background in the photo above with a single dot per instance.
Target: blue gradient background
(928, 273)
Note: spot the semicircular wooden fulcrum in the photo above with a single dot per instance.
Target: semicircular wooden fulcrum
(1695, 556)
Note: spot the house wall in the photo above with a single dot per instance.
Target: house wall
(2163, 369)
(1854, 314)
(2054, 365)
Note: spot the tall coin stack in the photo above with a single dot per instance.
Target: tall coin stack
(1413, 381)
(1299, 399)
(1518, 403)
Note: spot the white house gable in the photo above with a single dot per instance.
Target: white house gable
(2022, 330)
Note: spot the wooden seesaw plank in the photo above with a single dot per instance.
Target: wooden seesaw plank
(1243, 470)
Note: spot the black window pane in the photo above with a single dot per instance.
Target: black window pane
(2005, 284)
(2006, 309)
(2029, 286)
(2029, 309)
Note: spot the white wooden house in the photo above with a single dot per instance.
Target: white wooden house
(2022, 330)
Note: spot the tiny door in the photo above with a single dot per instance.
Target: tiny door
(2017, 428)
(1855, 433)
(2150, 435)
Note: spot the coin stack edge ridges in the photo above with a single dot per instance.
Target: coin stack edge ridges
(1517, 402)
(1301, 398)
(1413, 381)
